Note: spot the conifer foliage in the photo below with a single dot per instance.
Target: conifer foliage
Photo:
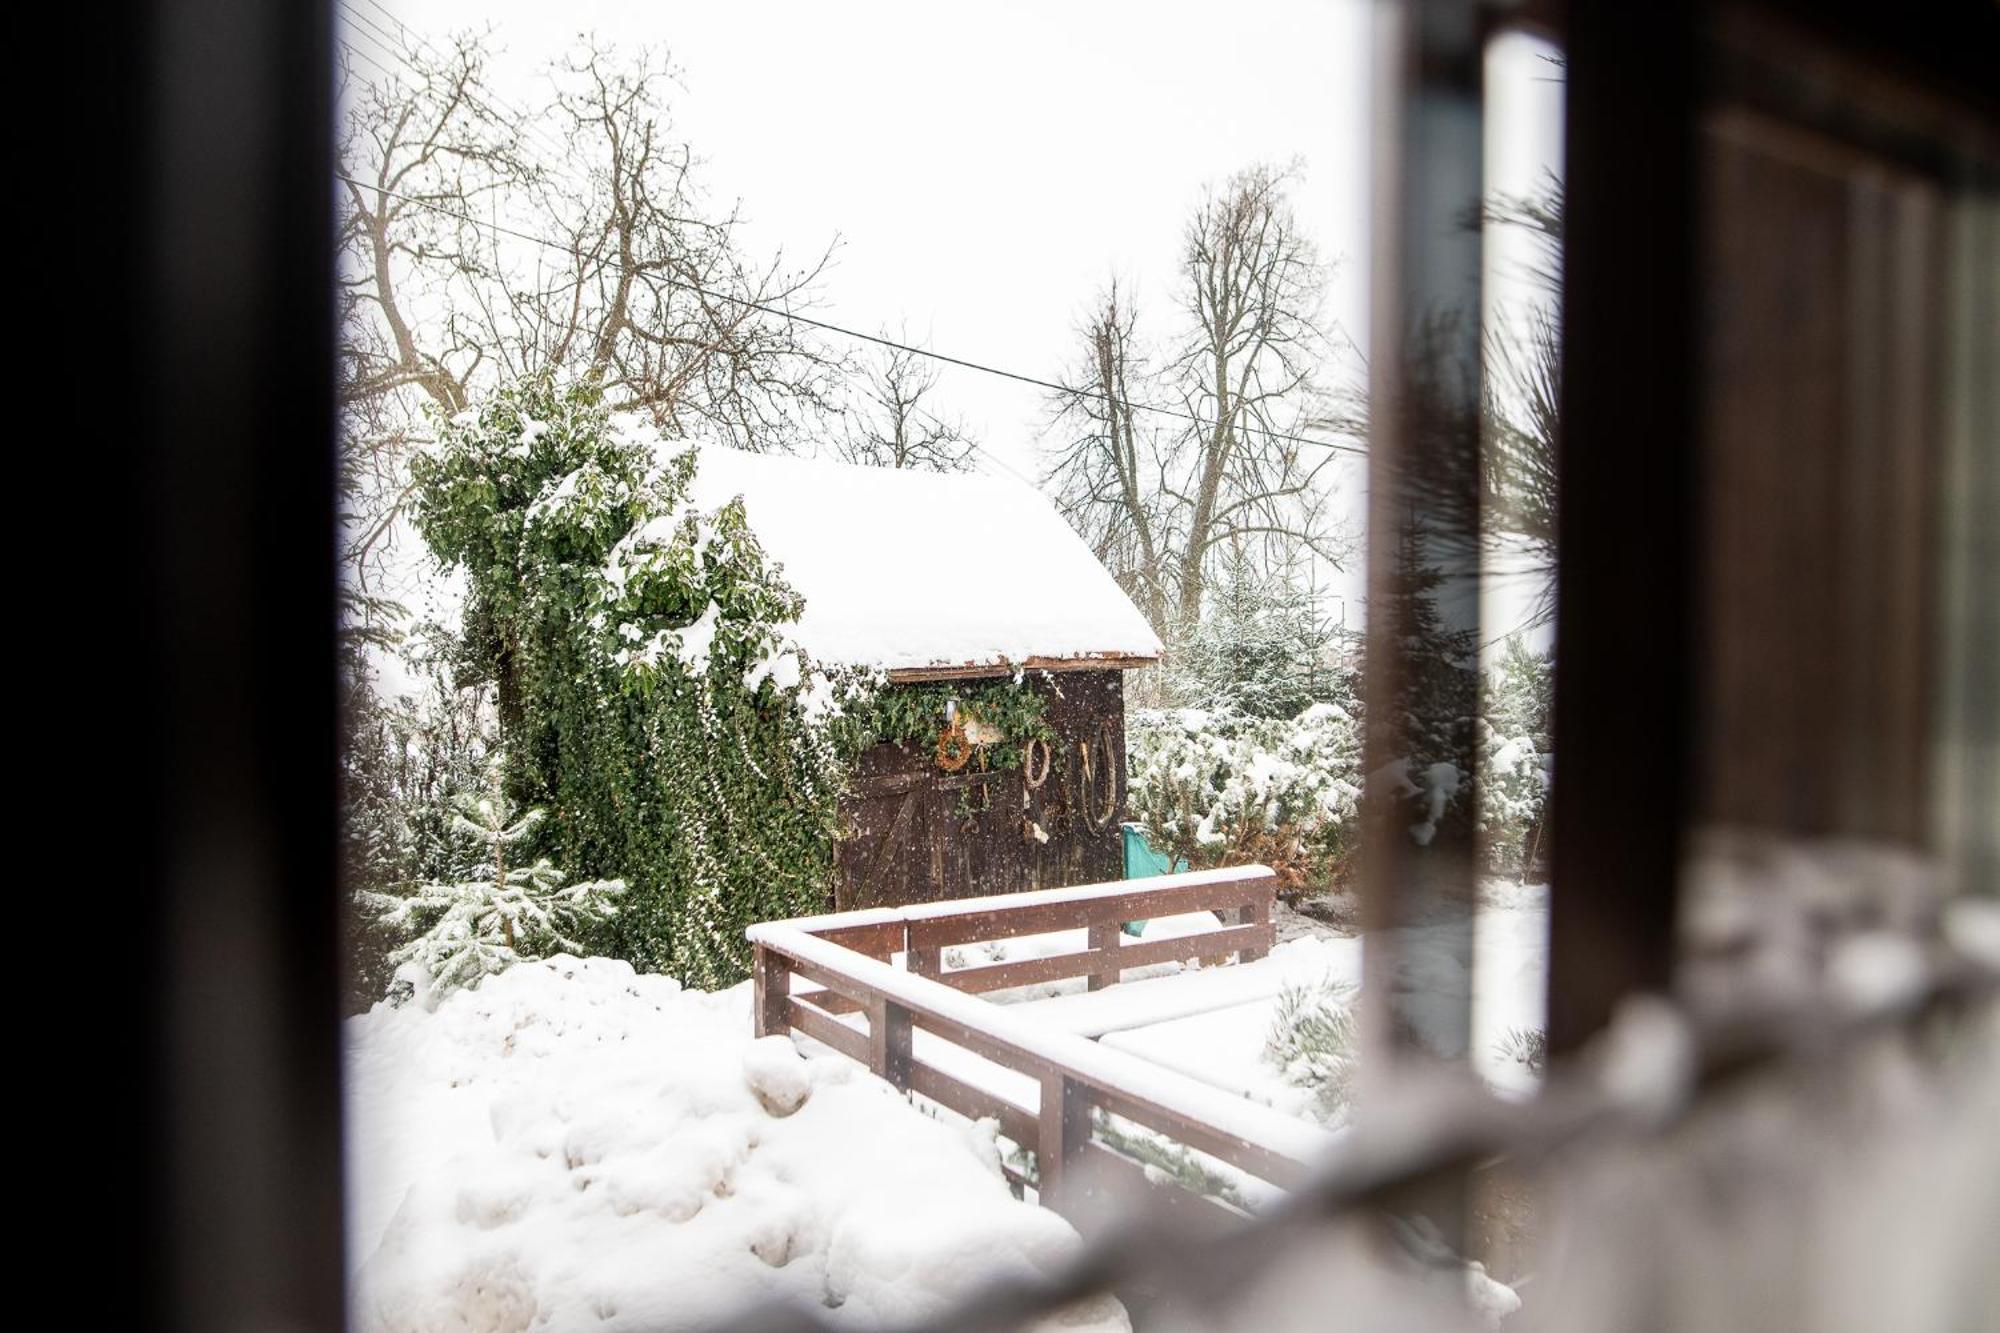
(1263, 648)
(1314, 1041)
(460, 933)
(1261, 759)
(1517, 750)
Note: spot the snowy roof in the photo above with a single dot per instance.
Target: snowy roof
(920, 573)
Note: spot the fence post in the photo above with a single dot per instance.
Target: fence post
(1062, 1131)
(1104, 935)
(889, 1041)
(773, 987)
(1257, 912)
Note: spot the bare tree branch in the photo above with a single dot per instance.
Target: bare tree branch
(897, 430)
(1160, 505)
(644, 285)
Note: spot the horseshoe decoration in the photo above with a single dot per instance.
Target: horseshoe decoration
(1029, 774)
(1097, 820)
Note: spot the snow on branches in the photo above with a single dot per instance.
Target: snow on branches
(649, 690)
(464, 932)
(1220, 785)
(1216, 787)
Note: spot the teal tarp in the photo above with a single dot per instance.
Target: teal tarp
(1142, 862)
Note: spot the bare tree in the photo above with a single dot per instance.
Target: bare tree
(1108, 476)
(897, 429)
(1234, 461)
(479, 242)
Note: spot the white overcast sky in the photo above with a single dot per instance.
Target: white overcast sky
(985, 168)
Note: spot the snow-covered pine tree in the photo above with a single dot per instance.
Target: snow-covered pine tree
(462, 932)
(1521, 698)
(1263, 649)
(1517, 746)
(406, 761)
(1437, 699)
(1258, 757)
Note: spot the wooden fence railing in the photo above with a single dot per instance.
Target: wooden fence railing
(848, 958)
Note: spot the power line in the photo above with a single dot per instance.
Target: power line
(1004, 465)
(360, 54)
(410, 35)
(492, 104)
(990, 456)
(845, 332)
(358, 29)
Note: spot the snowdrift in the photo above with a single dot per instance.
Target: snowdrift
(574, 1145)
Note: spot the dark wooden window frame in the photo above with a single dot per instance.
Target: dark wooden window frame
(215, 405)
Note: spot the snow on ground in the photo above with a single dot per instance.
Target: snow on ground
(577, 1146)
(1510, 980)
(574, 1145)
(1211, 1023)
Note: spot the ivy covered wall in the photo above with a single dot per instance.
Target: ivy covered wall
(649, 694)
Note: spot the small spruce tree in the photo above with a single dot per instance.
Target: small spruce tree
(462, 932)
(1517, 747)
(1262, 648)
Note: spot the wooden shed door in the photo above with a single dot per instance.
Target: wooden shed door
(891, 853)
(977, 828)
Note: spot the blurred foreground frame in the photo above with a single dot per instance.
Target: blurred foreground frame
(1778, 661)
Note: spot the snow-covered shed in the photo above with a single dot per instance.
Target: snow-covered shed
(957, 577)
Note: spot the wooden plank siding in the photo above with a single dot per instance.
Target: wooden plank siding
(908, 835)
(982, 670)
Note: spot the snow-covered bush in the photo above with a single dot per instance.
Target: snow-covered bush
(646, 687)
(461, 933)
(1261, 760)
(1314, 1043)
(1516, 754)
(1513, 799)
(1218, 788)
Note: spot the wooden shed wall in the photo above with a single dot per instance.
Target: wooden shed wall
(908, 839)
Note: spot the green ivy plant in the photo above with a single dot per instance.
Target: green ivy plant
(650, 696)
(917, 714)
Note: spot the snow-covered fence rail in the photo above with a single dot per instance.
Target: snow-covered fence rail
(1242, 895)
(848, 956)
